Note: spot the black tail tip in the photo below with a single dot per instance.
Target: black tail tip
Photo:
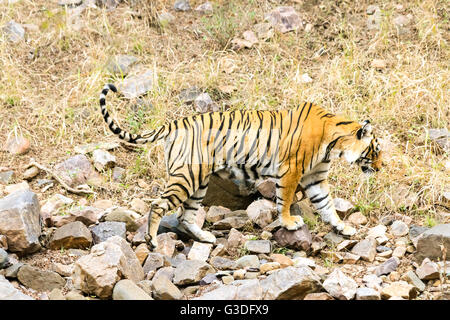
(112, 87)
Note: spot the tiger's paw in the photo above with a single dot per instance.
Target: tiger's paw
(197, 233)
(292, 222)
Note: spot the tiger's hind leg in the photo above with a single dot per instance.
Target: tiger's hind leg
(187, 219)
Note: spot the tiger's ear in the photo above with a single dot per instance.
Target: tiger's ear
(365, 131)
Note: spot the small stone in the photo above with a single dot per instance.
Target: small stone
(129, 217)
(6, 176)
(56, 294)
(191, 272)
(117, 174)
(284, 19)
(267, 188)
(219, 250)
(388, 266)
(399, 289)
(3, 242)
(121, 64)
(205, 8)
(203, 103)
(164, 289)
(221, 263)
(200, 251)
(261, 212)
(304, 262)
(399, 228)
(22, 186)
(14, 31)
(249, 261)
(357, 219)
(366, 249)
(128, 290)
(283, 260)
(239, 274)
(266, 235)
(30, 173)
(74, 295)
(428, 270)
(300, 239)
(142, 252)
(104, 230)
(227, 279)
(372, 281)
(63, 269)
(182, 5)
(394, 276)
(139, 205)
(165, 18)
(333, 238)
(367, 294)
(258, 246)
(264, 31)
(441, 137)
(103, 159)
(340, 286)
(103, 204)
(189, 95)
(166, 245)
(430, 242)
(137, 84)
(346, 244)
(342, 206)
(72, 235)
(216, 213)
(378, 231)
(269, 266)
(399, 252)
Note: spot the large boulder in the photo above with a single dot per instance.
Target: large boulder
(108, 262)
(20, 221)
(429, 243)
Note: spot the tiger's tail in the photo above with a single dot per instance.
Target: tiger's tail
(125, 135)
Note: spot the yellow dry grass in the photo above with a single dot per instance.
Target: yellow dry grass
(50, 84)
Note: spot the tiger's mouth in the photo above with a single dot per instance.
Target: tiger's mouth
(368, 170)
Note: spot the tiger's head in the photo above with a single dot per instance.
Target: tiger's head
(362, 147)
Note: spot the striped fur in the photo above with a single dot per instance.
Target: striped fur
(295, 147)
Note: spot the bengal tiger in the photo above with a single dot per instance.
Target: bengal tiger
(295, 147)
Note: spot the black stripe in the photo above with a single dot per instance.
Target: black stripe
(313, 184)
(343, 123)
(319, 199)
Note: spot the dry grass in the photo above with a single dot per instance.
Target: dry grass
(50, 84)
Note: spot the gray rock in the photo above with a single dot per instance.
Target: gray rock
(429, 243)
(367, 294)
(300, 239)
(167, 272)
(87, 215)
(118, 173)
(387, 267)
(20, 221)
(236, 219)
(189, 95)
(375, 17)
(258, 246)
(6, 176)
(30, 173)
(4, 261)
(342, 206)
(14, 31)
(249, 261)
(129, 217)
(153, 262)
(56, 294)
(76, 170)
(205, 8)
(428, 270)
(11, 271)
(284, 19)
(182, 5)
(177, 260)
(216, 213)
(191, 272)
(164, 289)
(441, 137)
(208, 279)
(164, 18)
(103, 159)
(221, 263)
(225, 292)
(333, 238)
(203, 103)
(74, 295)
(262, 212)
(40, 280)
(104, 230)
(72, 235)
(399, 228)
(51, 207)
(267, 187)
(128, 290)
(413, 279)
(134, 86)
(399, 289)
(340, 286)
(108, 262)
(366, 249)
(290, 283)
(200, 251)
(121, 64)
(8, 292)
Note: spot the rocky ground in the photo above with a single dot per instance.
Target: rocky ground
(65, 233)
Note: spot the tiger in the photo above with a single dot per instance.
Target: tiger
(293, 146)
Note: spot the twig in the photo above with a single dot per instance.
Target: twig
(57, 178)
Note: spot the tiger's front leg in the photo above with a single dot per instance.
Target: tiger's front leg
(286, 187)
(318, 193)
